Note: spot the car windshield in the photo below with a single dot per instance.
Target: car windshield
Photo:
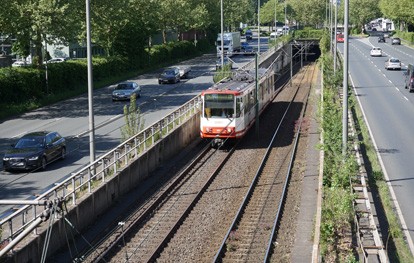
(394, 60)
(124, 86)
(29, 142)
(169, 72)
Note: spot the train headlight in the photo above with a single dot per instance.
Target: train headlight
(209, 130)
(229, 130)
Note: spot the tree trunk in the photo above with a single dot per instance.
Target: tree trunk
(164, 36)
(37, 58)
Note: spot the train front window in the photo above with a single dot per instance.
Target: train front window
(219, 105)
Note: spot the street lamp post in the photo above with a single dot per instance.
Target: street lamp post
(258, 27)
(90, 85)
(222, 33)
(275, 19)
(336, 2)
(284, 31)
(345, 83)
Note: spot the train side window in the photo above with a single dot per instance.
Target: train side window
(239, 107)
(251, 100)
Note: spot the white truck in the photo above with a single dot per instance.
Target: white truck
(231, 43)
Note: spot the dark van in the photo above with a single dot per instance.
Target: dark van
(249, 34)
(409, 78)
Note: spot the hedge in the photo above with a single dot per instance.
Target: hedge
(20, 85)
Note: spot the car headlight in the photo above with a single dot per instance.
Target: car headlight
(6, 159)
(33, 158)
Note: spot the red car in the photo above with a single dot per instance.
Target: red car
(340, 38)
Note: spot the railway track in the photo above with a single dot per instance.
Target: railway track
(250, 236)
(143, 235)
(187, 220)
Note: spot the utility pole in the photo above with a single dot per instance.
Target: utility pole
(256, 58)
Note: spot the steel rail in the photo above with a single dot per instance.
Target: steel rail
(282, 200)
(252, 185)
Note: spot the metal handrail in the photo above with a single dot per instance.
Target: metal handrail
(82, 182)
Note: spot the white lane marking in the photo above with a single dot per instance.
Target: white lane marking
(19, 135)
(387, 178)
(25, 132)
(100, 125)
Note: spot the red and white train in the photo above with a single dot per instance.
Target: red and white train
(229, 107)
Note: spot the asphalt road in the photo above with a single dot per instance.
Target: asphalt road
(389, 111)
(70, 118)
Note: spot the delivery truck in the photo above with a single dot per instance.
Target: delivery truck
(231, 44)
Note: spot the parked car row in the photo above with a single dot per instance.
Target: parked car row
(22, 63)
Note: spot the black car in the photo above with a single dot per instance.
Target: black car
(169, 75)
(249, 34)
(381, 38)
(247, 49)
(35, 150)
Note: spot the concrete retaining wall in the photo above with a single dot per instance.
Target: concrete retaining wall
(91, 207)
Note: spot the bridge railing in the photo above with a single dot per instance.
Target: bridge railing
(83, 182)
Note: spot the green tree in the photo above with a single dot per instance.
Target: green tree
(133, 120)
(399, 11)
(123, 27)
(363, 11)
(267, 12)
(236, 12)
(31, 22)
(308, 12)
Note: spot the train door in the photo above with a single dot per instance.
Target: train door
(239, 120)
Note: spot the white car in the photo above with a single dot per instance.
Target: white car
(20, 63)
(376, 52)
(56, 60)
(393, 63)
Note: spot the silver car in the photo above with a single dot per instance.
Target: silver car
(396, 41)
(393, 63)
(125, 90)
